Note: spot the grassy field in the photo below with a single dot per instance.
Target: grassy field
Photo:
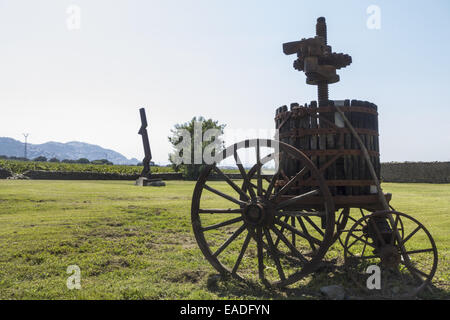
(137, 243)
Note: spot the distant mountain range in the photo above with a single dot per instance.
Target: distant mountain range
(71, 150)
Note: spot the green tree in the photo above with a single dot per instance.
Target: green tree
(40, 159)
(83, 161)
(53, 160)
(102, 161)
(191, 171)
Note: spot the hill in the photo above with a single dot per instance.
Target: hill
(71, 150)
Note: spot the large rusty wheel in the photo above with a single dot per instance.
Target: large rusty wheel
(242, 232)
(400, 245)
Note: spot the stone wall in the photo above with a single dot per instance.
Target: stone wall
(5, 173)
(419, 172)
(424, 172)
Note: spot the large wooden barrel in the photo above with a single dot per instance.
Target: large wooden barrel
(320, 132)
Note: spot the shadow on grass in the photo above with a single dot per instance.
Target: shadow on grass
(328, 273)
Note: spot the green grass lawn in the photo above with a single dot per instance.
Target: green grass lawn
(137, 243)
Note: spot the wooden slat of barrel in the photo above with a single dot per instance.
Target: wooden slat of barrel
(322, 146)
(364, 164)
(348, 159)
(376, 144)
(340, 168)
(306, 124)
(295, 141)
(331, 144)
(327, 143)
(372, 139)
(356, 164)
(314, 138)
(286, 160)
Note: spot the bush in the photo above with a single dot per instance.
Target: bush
(102, 161)
(83, 161)
(53, 160)
(18, 158)
(40, 159)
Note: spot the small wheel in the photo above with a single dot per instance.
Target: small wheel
(243, 235)
(407, 258)
(348, 214)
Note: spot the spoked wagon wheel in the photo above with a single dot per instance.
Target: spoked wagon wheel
(239, 229)
(407, 258)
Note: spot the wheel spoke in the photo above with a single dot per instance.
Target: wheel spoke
(410, 235)
(262, 189)
(293, 234)
(258, 170)
(364, 248)
(241, 254)
(354, 241)
(419, 251)
(362, 212)
(299, 214)
(415, 271)
(267, 179)
(273, 253)
(289, 245)
(291, 182)
(259, 245)
(394, 229)
(223, 224)
(282, 230)
(223, 195)
(230, 239)
(231, 183)
(244, 175)
(360, 239)
(296, 199)
(305, 230)
(301, 234)
(220, 211)
(308, 219)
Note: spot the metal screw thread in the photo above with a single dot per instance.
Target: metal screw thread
(321, 28)
(322, 91)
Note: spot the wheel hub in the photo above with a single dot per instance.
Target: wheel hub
(257, 214)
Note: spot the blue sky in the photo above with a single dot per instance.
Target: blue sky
(218, 59)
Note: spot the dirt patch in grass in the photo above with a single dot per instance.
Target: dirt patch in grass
(188, 277)
(44, 200)
(115, 263)
(113, 233)
(114, 224)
